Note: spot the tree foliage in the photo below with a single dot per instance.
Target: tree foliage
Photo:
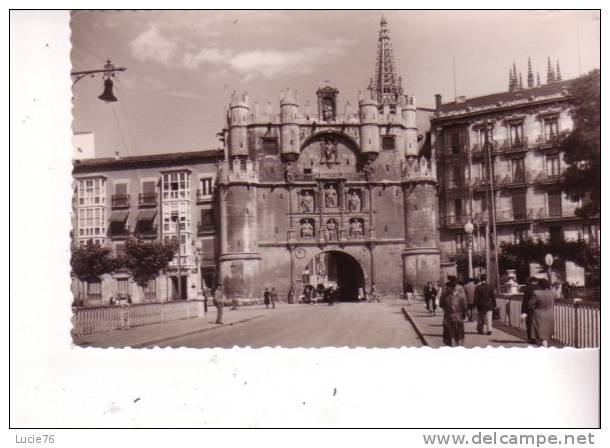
(146, 259)
(582, 147)
(529, 250)
(91, 261)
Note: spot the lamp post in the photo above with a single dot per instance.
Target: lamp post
(109, 71)
(198, 258)
(469, 228)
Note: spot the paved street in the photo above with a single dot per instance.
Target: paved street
(369, 325)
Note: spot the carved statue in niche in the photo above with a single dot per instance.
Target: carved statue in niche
(307, 228)
(356, 228)
(369, 169)
(331, 230)
(328, 110)
(423, 166)
(306, 202)
(353, 201)
(330, 196)
(329, 151)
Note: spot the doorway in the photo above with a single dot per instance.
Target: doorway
(179, 293)
(337, 269)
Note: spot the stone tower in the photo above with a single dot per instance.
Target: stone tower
(239, 258)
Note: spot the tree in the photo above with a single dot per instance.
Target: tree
(89, 262)
(146, 259)
(519, 255)
(581, 148)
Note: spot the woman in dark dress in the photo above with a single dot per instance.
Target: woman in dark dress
(543, 321)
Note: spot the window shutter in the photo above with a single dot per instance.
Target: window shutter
(120, 189)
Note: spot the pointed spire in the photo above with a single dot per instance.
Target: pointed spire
(530, 74)
(385, 85)
(515, 79)
(557, 73)
(537, 79)
(520, 82)
(510, 79)
(550, 76)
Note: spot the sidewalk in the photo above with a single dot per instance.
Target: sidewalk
(430, 329)
(145, 335)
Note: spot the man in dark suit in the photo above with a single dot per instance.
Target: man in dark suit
(485, 303)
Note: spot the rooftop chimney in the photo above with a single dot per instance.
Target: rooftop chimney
(439, 101)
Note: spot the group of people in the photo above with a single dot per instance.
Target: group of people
(458, 303)
(320, 293)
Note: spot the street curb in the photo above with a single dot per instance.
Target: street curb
(189, 333)
(416, 327)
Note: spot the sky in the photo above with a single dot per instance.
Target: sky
(183, 65)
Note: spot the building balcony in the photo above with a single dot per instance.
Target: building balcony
(147, 199)
(545, 178)
(119, 201)
(146, 233)
(515, 145)
(116, 233)
(551, 141)
(203, 195)
(203, 228)
(454, 221)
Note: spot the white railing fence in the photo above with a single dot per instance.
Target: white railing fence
(577, 323)
(99, 319)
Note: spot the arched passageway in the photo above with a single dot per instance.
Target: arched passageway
(338, 269)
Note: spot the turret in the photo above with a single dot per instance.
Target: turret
(289, 109)
(238, 125)
(369, 129)
(409, 117)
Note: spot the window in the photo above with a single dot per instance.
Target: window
(120, 197)
(149, 193)
(94, 290)
(176, 185)
(460, 242)
(91, 222)
(207, 219)
(122, 287)
(91, 192)
(551, 130)
(556, 233)
(554, 198)
(206, 186)
(388, 142)
(457, 207)
(518, 170)
(119, 249)
(519, 208)
(516, 134)
(455, 139)
(552, 165)
(520, 235)
(184, 247)
(150, 290)
(180, 210)
(454, 176)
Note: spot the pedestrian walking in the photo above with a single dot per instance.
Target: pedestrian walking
(469, 288)
(453, 303)
(219, 303)
(273, 297)
(291, 295)
(330, 296)
(374, 295)
(409, 291)
(531, 284)
(485, 303)
(541, 304)
(267, 298)
(430, 293)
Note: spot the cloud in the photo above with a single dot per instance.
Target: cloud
(152, 45)
(269, 63)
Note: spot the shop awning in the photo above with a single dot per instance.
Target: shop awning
(119, 215)
(146, 215)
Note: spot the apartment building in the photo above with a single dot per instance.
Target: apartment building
(518, 173)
